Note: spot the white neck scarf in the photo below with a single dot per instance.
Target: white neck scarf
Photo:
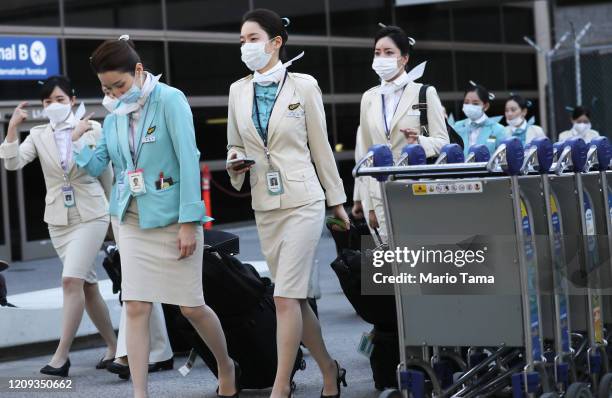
(146, 89)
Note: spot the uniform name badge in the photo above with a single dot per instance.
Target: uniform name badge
(68, 195)
(275, 184)
(136, 182)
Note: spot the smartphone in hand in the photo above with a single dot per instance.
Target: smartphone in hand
(239, 164)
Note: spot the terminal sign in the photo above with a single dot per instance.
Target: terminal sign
(28, 58)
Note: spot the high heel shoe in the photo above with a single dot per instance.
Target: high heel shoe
(237, 374)
(62, 371)
(341, 378)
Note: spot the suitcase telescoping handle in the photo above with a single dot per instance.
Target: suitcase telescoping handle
(378, 162)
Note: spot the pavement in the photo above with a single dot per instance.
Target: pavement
(342, 330)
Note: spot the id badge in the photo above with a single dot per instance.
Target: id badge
(275, 184)
(136, 182)
(366, 345)
(68, 195)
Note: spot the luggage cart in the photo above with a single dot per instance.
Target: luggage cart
(461, 201)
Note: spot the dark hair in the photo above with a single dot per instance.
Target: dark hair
(481, 92)
(581, 111)
(115, 55)
(55, 81)
(522, 102)
(399, 37)
(271, 23)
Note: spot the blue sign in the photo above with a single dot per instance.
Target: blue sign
(28, 58)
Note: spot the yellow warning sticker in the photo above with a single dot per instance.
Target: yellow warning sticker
(419, 189)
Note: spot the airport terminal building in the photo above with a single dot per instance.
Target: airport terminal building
(194, 44)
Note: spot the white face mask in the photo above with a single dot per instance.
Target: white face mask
(473, 112)
(582, 128)
(110, 103)
(516, 122)
(385, 67)
(57, 113)
(254, 55)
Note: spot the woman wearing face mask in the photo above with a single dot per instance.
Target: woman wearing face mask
(478, 128)
(581, 126)
(151, 139)
(388, 115)
(277, 119)
(161, 356)
(516, 117)
(76, 211)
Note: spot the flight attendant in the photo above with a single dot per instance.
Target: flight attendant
(478, 128)
(151, 140)
(76, 210)
(390, 115)
(516, 117)
(277, 119)
(161, 356)
(581, 126)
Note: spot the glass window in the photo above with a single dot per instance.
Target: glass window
(84, 80)
(227, 204)
(347, 118)
(477, 24)
(483, 68)
(352, 69)
(139, 14)
(345, 169)
(307, 17)
(439, 69)
(34, 199)
(315, 62)
(200, 76)
(29, 12)
(518, 23)
(358, 17)
(425, 22)
(210, 15)
(522, 71)
(211, 132)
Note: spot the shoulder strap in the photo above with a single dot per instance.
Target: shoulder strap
(423, 108)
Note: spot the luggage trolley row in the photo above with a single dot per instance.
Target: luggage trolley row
(542, 214)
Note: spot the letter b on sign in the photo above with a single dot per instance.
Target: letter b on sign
(23, 52)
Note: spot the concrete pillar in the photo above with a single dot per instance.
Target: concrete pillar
(543, 39)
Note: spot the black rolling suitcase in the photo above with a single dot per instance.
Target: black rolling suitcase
(244, 304)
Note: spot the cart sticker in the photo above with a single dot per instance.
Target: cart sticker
(448, 188)
(534, 304)
(560, 275)
(592, 261)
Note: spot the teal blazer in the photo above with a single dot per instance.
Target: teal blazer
(168, 147)
(492, 134)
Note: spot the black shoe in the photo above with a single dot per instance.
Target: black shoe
(123, 371)
(340, 379)
(237, 374)
(163, 365)
(61, 371)
(103, 364)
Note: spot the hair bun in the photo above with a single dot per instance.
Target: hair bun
(124, 38)
(286, 22)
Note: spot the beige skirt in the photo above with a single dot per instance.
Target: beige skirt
(289, 239)
(78, 244)
(150, 268)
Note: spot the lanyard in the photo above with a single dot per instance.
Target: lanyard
(136, 154)
(384, 114)
(264, 133)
